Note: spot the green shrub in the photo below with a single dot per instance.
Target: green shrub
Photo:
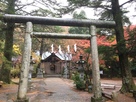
(80, 84)
(15, 72)
(35, 69)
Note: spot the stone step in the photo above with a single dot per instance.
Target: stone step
(53, 75)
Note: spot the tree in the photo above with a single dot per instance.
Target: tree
(9, 8)
(5, 70)
(127, 80)
(79, 30)
(2, 33)
(115, 9)
(109, 61)
(130, 34)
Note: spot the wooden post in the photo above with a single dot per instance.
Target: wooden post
(23, 82)
(115, 96)
(95, 67)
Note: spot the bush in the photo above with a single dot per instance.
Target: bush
(15, 72)
(5, 72)
(35, 69)
(80, 84)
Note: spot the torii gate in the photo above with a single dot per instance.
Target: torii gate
(30, 20)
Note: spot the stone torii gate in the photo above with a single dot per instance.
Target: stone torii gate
(30, 20)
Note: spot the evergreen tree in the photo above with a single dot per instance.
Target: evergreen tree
(6, 67)
(79, 30)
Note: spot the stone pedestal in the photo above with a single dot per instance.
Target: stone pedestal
(22, 100)
(30, 71)
(39, 73)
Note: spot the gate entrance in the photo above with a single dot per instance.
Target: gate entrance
(30, 20)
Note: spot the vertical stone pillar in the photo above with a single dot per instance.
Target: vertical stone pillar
(95, 67)
(65, 67)
(23, 82)
(65, 73)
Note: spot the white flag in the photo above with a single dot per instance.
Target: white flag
(59, 49)
(52, 49)
(75, 47)
(68, 49)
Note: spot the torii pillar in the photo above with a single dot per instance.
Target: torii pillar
(95, 66)
(23, 82)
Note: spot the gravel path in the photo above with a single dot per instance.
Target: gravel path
(56, 90)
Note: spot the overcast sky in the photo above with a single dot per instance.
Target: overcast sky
(90, 12)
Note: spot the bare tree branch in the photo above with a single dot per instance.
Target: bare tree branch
(126, 2)
(22, 6)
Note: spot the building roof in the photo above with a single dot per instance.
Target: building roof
(48, 56)
(52, 58)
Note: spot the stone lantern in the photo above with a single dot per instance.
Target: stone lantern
(81, 63)
(31, 69)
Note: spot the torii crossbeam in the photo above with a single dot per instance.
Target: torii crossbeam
(58, 21)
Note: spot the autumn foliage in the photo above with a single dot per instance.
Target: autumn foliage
(109, 41)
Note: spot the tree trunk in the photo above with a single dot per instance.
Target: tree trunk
(5, 70)
(41, 52)
(127, 80)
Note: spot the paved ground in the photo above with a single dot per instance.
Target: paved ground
(57, 90)
(118, 83)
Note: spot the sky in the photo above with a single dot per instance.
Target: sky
(90, 12)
